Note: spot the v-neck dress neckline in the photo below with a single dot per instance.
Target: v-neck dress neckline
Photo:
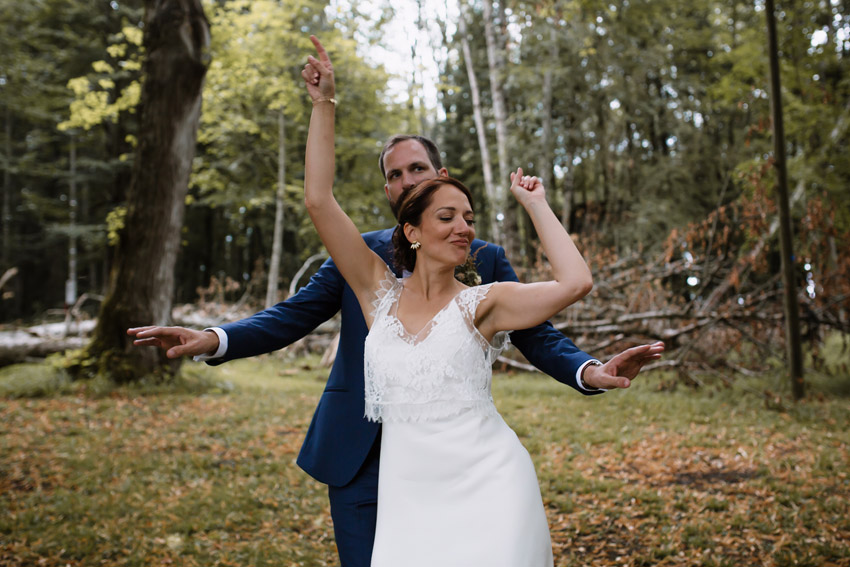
(425, 330)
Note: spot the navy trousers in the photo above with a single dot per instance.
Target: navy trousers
(354, 509)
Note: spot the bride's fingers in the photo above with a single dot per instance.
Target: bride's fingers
(322, 67)
(310, 75)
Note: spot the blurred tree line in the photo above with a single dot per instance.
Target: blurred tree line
(648, 120)
(70, 77)
(653, 114)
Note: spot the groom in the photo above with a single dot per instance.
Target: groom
(341, 448)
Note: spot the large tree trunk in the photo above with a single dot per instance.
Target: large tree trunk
(142, 281)
(277, 245)
(480, 130)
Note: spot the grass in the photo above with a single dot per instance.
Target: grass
(204, 473)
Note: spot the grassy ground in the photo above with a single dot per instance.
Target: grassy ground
(200, 476)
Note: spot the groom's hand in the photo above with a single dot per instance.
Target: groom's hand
(622, 368)
(176, 341)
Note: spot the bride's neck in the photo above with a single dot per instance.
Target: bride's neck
(432, 282)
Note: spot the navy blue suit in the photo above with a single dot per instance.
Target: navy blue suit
(340, 442)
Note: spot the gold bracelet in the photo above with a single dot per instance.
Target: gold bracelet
(325, 99)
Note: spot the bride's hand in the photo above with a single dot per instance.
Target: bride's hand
(527, 189)
(318, 74)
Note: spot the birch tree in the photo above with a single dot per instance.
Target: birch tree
(480, 129)
(495, 64)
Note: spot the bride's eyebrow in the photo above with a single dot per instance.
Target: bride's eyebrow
(454, 209)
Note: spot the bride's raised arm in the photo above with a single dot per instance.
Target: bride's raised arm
(512, 305)
(361, 268)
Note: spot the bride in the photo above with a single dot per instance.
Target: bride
(456, 487)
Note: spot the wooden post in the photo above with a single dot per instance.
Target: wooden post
(792, 310)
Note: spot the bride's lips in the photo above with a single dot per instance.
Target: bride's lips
(460, 243)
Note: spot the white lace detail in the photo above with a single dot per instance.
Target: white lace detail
(441, 371)
(386, 292)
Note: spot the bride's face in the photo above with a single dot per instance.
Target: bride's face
(448, 226)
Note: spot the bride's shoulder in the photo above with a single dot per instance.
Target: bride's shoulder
(480, 298)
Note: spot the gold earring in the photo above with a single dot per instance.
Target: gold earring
(415, 245)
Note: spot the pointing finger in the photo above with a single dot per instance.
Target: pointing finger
(323, 55)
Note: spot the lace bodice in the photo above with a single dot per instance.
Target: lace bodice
(442, 370)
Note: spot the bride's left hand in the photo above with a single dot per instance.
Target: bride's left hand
(527, 189)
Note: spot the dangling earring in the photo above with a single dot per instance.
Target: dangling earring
(415, 245)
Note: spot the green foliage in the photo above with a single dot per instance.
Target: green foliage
(258, 49)
(97, 97)
(115, 224)
(660, 114)
(43, 46)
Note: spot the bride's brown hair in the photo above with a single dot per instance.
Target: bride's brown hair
(410, 206)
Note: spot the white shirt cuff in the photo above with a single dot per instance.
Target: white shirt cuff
(579, 381)
(222, 345)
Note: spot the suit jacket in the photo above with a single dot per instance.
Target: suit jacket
(340, 437)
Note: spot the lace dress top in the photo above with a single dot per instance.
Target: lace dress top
(441, 371)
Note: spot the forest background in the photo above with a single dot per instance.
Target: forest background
(649, 122)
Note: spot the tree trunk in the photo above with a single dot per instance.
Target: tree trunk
(792, 310)
(568, 193)
(7, 191)
(419, 83)
(494, 61)
(71, 282)
(546, 150)
(277, 245)
(141, 287)
(477, 114)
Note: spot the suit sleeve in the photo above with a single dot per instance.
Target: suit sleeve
(545, 347)
(289, 320)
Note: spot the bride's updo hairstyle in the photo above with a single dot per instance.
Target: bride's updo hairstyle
(409, 208)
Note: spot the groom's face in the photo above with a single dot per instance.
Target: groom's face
(407, 164)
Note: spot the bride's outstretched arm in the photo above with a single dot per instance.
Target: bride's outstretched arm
(360, 267)
(519, 306)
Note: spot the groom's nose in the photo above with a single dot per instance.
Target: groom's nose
(408, 180)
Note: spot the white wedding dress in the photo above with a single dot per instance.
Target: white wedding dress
(456, 487)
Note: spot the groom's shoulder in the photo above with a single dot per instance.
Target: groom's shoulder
(377, 237)
(482, 250)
